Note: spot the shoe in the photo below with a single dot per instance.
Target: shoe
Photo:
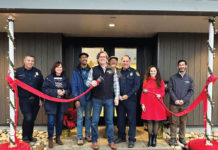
(88, 138)
(58, 141)
(26, 139)
(119, 140)
(113, 146)
(50, 142)
(32, 139)
(95, 146)
(154, 140)
(182, 140)
(131, 144)
(150, 140)
(172, 141)
(80, 142)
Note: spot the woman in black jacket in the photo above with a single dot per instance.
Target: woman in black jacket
(55, 85)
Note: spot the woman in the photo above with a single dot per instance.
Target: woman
(55, 85)
(152, 110)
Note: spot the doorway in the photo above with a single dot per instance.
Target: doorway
(143, 52)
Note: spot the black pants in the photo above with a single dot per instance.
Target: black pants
(126, 107)
(29, 109)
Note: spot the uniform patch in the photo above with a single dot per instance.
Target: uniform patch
(187, 81)
(137, 73)
(131, 74)
(36, 74)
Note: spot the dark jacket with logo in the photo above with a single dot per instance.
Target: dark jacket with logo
(129, 83)
(78, 84)
(31, 77)
(50, 89)
(181, 88)
(105, 90)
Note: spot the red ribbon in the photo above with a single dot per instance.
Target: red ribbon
(14, 83)
(202, 97)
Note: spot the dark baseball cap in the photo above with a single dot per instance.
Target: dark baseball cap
(113, 57)
(87, 55)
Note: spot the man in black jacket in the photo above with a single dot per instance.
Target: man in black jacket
(29, 103)
(181, 88)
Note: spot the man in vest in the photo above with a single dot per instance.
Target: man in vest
(103, 95)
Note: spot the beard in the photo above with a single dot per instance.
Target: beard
(182, 69)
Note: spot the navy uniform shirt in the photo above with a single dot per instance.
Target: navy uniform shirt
(31, 77)
(129, 82)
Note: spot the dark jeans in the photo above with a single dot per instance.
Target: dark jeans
(108, 116)
(29, 109)
(126, 107)
(55, 120)
(178, 121)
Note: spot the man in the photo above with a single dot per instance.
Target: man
(29, 103)
(181, 88)
(84, 104)
(103, 95)
(129, 84)
(113, 61)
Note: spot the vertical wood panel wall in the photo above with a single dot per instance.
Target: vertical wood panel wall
(193, 48)
(47, 48)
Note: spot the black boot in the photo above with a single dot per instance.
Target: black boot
(150, 140)
(154, 140)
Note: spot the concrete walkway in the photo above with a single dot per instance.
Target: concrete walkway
(141, 143)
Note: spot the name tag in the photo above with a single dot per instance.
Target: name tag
(187, 82)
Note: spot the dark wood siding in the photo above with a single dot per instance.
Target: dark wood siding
(47, 48)
(193, 48)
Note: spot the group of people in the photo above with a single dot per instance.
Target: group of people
(118, 89)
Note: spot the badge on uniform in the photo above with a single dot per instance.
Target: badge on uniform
(131, 74)
(36, 74)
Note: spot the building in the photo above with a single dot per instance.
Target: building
(160, 33)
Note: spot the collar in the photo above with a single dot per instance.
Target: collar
(128, 69)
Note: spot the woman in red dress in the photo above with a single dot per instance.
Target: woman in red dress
(152, 110)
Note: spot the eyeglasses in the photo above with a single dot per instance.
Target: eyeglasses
(102, 57)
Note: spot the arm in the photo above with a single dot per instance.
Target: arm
(171, 92)
(116, 86)
(162, 92)
(142, 101)
(90, 78)
(74, 85)
(47, 89)
(135, 87)
(190, 91)
(68, 89)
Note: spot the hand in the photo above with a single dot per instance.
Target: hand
(77, 104)
(63, 91)
(181, 102)
(121, 98)
(40, 103)
(177, 102)
(143, 107)
(60, 92)
(158, 96)
(116, 102)
(94, 83)
(125, 97)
